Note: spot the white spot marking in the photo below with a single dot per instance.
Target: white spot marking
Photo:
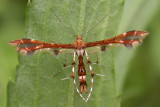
(73, 69)
(74, 56)
(91, 89)
(124, 34)
(135, 32)
(83, 70)
(38, 47)
(80, 77)
(32, 40)
(92, 80)
(80, 52)
(21, 41)
(136, 43)
(27, 49)
(90, 67)
(121, 41)
(84, 77)
(77, 90)
(74, 81)
(110, 44)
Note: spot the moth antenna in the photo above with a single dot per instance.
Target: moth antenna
(94, 26)
(68, 30)
(65, 78)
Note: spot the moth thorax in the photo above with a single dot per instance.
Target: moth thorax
(80, 52)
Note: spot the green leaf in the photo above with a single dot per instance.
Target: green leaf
(11, 27)
(38, 78)
(141, 87)
(136, 15)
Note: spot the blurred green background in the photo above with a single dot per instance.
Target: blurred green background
(12, 20)
(142, 83)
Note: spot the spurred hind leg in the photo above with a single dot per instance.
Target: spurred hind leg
(92, 75)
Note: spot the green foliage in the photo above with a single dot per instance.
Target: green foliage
(141, 87)
(38, 78)
(38, 81)
(11, 27)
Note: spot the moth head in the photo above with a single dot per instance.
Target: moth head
(79, 37)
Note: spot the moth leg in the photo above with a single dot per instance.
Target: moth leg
(66, 78)
(69, 53)
(97, 62)
(73, 66)
(72, 76)
(93, 52)
(65, 65)
(92, 75)
(101, 75)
